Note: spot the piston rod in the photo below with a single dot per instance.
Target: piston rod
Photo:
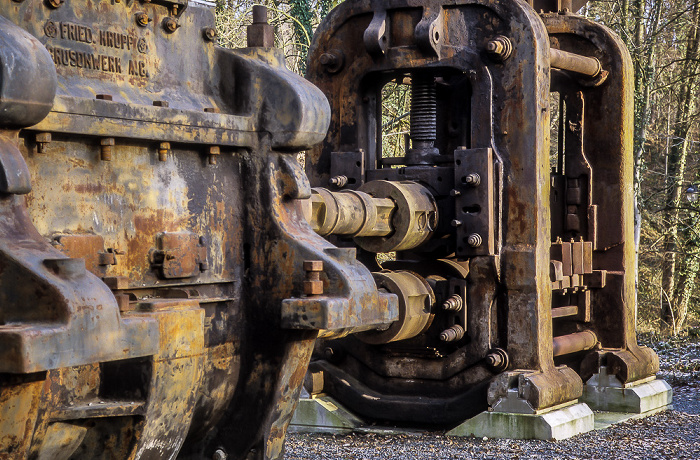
(383, 216)
(588, 66)
(350, 212)
(572, 343)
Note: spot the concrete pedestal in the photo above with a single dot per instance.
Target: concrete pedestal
(604, 392)
(556, 424)
(322, 414)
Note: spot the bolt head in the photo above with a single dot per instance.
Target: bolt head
(43, 137)
(474, 240)
(142, 19)
(313, 287)
(219, 454)
(313, 265)
(170, 25)
(209, 33)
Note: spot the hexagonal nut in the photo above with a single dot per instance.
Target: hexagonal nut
(43, 137)
(313, 265)
(313, 287)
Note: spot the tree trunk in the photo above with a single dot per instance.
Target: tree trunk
(674, 309)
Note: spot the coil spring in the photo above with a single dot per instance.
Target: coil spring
(423, 108)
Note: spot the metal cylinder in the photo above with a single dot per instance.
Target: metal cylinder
(383, 216)
(573, 343)
(416, 299)
(413, 221)
(349, 212)
(583, 65)
(259, 14)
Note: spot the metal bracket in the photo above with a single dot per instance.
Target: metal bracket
(350, 166)
(474, 202)
(375, 38)
(14, 173)
(430, 33)
(179, 255)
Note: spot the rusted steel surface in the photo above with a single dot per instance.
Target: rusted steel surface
(530, 259)
(152, 242)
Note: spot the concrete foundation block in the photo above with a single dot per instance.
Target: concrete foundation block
(322, 414)
(556, 424)
(604, 392)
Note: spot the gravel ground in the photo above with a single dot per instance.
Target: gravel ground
(672, 434)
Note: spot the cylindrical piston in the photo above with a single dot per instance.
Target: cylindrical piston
(588, 66)
(348, 212)
(573, 343)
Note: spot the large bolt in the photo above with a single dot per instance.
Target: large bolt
(452, 334)
(170, 25)
(500, 48)
(219, 454)
(329, 353)
(214, 152)
(209, 34)
(163, 150)
(497, 360)
(333, 61)
(313, 284)
(260, 33)
(142, 19)
(42, 139)
(472, 179)
(454, 303)
(338, 181)
(259, 14)
(474, 240)
(106, 147)
(328, 59)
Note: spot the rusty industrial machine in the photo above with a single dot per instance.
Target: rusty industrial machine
(512, 256)
(160, 291)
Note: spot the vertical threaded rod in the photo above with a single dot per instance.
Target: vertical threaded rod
(423, 111)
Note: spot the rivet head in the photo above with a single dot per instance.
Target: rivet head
(142, 19)
(209, 34)
(170, 25)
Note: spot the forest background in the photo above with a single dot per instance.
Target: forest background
(663, 38)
